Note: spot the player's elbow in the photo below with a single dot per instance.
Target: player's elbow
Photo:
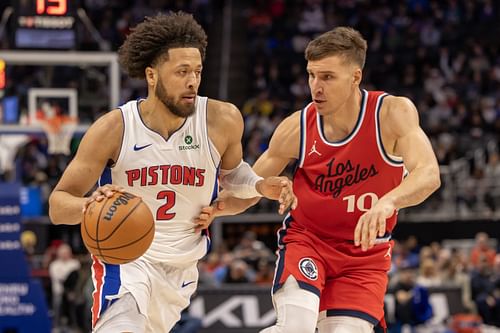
(52, 211)
(54, 216)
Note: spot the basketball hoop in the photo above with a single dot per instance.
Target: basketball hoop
(58, 127)
(59, 131)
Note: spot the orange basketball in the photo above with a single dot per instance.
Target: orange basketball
(119, 229)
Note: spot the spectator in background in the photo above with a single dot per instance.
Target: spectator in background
(59, 270)
(412, 302)
(28, 242)
(494, 302)
(222, 269)
(404, 257)
(428, 274)
(251, 250)
(482, 250)
(454, 272)
(206, 268)
(265, 272)
(403, 295)
(76, 303)
(485, 290)
(238, 272)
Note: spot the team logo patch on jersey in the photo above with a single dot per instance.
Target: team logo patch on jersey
(308, 268)
(188, 140)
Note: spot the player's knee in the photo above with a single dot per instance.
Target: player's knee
(298, 324)
(296, 309)
(294, 319)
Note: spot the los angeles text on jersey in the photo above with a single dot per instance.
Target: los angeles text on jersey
(166, 174)
(341, 174)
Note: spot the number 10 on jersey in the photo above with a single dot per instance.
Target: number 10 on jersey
(362, 202)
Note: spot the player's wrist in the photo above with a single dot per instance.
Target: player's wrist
(389, 204)
(259, 182)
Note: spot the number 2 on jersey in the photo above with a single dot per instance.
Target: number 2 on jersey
(360, 202)
(162, 212)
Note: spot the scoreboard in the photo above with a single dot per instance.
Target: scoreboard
(44, 24)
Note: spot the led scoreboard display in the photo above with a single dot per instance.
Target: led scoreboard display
(45, 24)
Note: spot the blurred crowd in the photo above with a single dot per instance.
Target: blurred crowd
(472, 265)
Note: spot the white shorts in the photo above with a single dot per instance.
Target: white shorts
(161, 291)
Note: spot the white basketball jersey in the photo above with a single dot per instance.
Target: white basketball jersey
(175, 177)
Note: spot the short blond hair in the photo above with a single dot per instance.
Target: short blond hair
(343, 41)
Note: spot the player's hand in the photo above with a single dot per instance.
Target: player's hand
(101, 193)
(208, 214)
(372, 224)
(278, 188)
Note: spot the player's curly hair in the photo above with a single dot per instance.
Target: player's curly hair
(150, 40)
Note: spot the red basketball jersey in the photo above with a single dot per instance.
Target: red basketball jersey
(336, 182)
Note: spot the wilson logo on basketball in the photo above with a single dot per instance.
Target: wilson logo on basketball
(123, 199)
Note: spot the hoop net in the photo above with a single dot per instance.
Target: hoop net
(59, 130)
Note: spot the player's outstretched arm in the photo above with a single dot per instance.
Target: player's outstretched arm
(283, 148)
(99, 145)
(236, 175)
(399, 118)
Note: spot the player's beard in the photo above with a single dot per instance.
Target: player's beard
(176, 108)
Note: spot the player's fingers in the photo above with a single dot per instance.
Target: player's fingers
(117, 188)
(87, 203)
(204, 216)
(97, 195)
(287, 198)
(372, 231)
(114, 188)
(282, 209)
(285, 182)
(381, 226)
(207, 210)
(199, 227)
(365, 233)
(200, 224)
(357, 231)
(284, 195)
(109, 190)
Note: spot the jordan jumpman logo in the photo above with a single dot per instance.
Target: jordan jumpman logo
(313, 149)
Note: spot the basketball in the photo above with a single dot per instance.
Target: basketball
(118, 229)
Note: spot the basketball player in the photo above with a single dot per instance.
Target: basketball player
(352, 147)
(168, 149)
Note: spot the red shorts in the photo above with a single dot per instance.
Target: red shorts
(348, 281)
